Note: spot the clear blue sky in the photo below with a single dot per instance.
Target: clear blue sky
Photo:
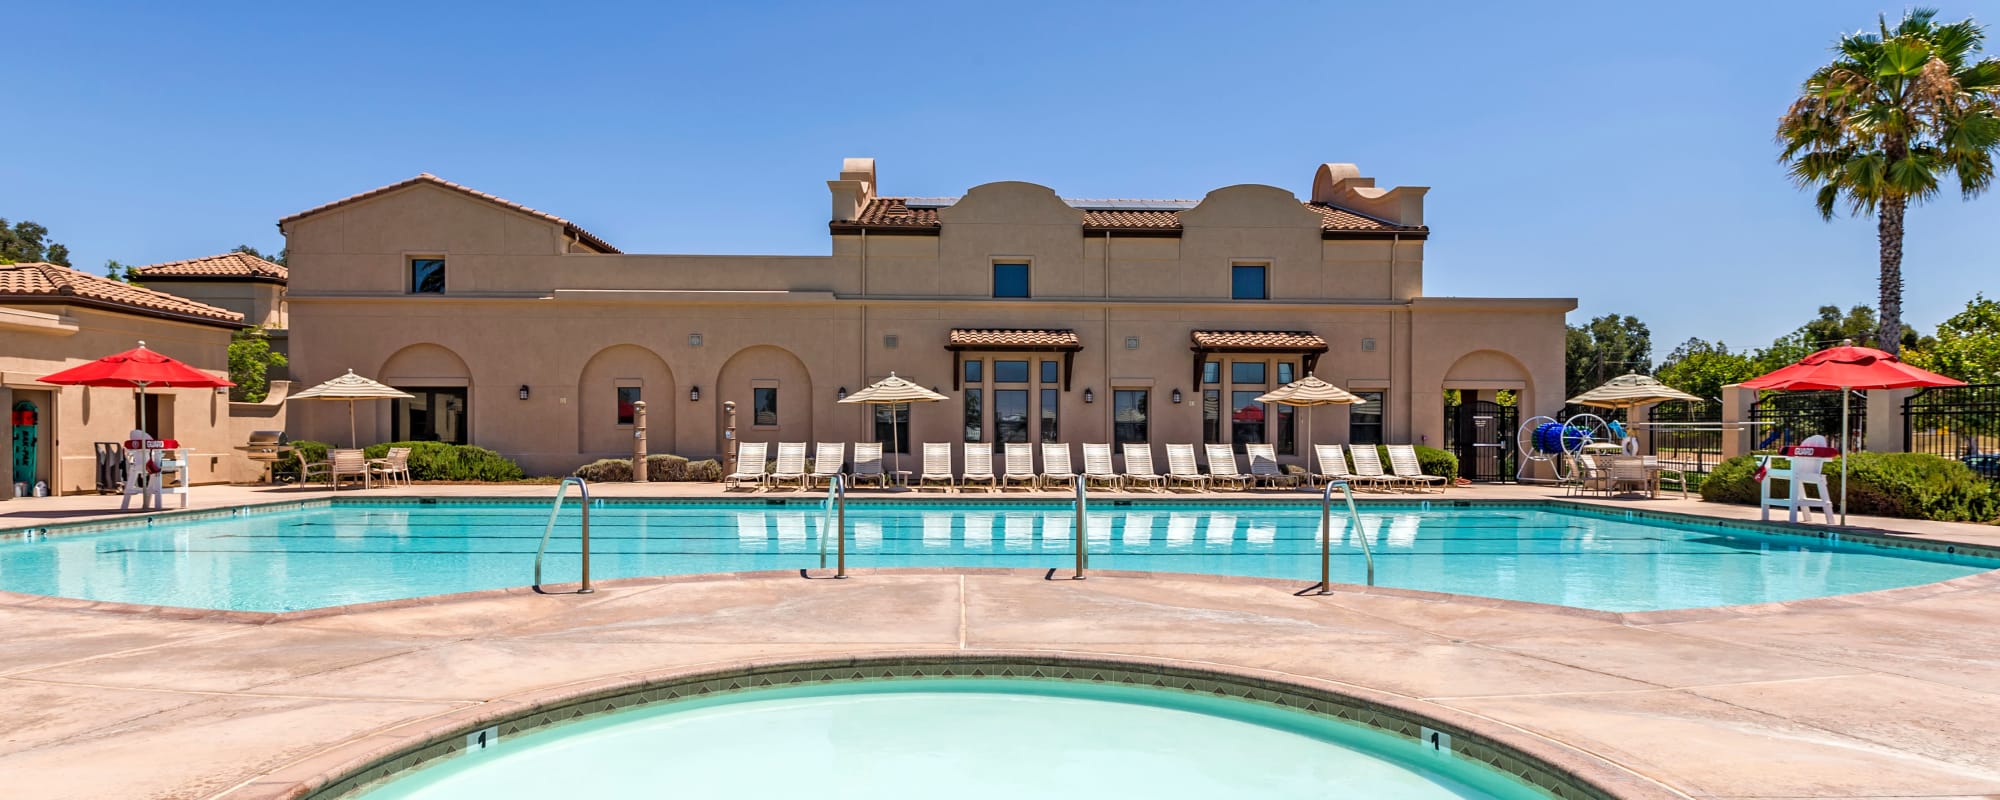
(1620, 156)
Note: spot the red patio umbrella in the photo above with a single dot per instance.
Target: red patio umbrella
(1847, 368)
(137, 368)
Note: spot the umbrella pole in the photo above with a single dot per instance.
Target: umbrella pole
(896, 439)
(1845, 426)
(353, 439)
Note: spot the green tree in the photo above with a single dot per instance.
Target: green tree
(250, 361)
(279, 259)
(125, 273)
(1701, 368)
(1883, 124)
(1967, 346)
(24, 242)
(1607, 347)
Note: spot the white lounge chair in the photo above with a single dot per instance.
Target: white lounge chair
(937, 467)
(749, 465)
(1139, 467)
(1264, 467)
(1222, 469)
(868, 464)
(791, 465)
(1097, 467)
(1055, 465)
(1020, 466)
(827, 458)
(1403, 462)
(1181, 468)
(978, 467)
(1368, 467)
(1332, 465)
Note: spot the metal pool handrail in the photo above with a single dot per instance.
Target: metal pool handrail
(1326, 535)
(836, 506)
(583, 494)
(1082, 552)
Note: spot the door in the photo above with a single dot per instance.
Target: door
(1481, 434)
(25, 427)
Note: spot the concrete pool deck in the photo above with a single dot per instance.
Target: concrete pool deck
(1883, 695)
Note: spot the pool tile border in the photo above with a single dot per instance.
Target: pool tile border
(1556, 770)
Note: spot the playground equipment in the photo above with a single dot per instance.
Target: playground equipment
(1544, 440)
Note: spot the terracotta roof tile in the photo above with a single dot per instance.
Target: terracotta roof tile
(227, 265)
(52, 283)
(895, 213)
(1014, 337)
(568, 226)
(1259, 340)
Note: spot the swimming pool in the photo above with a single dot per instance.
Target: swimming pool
(357, 552)
(977, 738)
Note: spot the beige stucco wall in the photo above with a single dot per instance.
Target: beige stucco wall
(260, 302)
(36, 340)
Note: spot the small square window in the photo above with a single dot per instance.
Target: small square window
(1131, 342)
(1010, 372)
(1010, 280)
(975, 372)
(1050, 372)
(427, 276)
(1246, 282)
(1246, 372)
(627, 395)
(764, 406)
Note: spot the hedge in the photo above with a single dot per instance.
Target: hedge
(661, 468)
(1907, 485)
(429, 461)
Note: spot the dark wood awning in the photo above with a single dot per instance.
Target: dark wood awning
(1012, 340)
(1305, 344)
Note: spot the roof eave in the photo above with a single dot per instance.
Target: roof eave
(122, 308)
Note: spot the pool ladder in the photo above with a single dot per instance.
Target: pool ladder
(1326, 535)
(833, 517)
(583, 495)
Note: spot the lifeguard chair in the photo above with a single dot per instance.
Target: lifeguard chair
(148, 464)
(1804, 472)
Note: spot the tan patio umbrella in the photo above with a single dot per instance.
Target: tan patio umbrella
(352, 388)
(893, 391)
(1307, 392)
(1631, 389)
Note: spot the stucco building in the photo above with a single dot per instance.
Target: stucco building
(1039, 316)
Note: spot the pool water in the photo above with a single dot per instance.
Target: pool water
(357, 553)
(975, 739)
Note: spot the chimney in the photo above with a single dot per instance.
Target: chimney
(854, 189)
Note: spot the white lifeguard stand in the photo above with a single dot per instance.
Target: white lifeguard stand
(148, 463)
(1804, 472)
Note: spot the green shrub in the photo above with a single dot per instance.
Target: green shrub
(1907, 485)
(662, 468)
(303, 452)
(1441, 463)
(437, 461)
(707, 469)
(606, 470)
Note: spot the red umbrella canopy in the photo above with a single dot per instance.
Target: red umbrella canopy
(1849, 367)
(136, 367)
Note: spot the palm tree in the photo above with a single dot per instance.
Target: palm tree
(1895, 113)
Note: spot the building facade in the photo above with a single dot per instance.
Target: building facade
(1041, 318)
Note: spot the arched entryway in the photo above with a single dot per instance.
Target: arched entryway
(610, 382)
(773, 393)
(1483, 394)
(442, 408)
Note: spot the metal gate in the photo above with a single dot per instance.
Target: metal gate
(1792, 417)
(1957, 422)
(1481, 434)
(1683, 442)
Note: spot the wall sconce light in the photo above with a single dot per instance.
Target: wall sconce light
(694, 394)
(843, 393)
(1089, 396)
(524, 391)
(694, 340)
(1177, 397)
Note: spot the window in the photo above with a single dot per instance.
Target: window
(1282, 422)
(433, 415)
(1010, 280)
(1246, 417)
(1211, 372)
(627, 395)
(1128, 416)
(1010, 372)
(1010, 415)
(1051, 373)
(1246, 372)
(975, 414)
(1285, 373)
(1211, 414)
(1049, 406)
(975, 371)
(1246, 282)
(427, 276)
(764, 406)
(892, 428)
(1364, 419)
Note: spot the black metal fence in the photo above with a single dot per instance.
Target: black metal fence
(1687, 437)
(1959, 422)
(1792, 417)
(1481, 433)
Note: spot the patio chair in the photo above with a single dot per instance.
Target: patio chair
(393, 466)
(937, 466)
(1264, 467)
(1332, 465)
(978, 467)
(749, 465)
(791, 465)
(1181, 467)
(1020, 466)
(1662, 474)
(1139, 467)
(827, 458)
(1097, 467)
(1222, 469)
(868, 465)
(1403, 461)
(344, 463)
(1055, 465)
(1368, 467)
(1590, 476)
(1628, 473)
